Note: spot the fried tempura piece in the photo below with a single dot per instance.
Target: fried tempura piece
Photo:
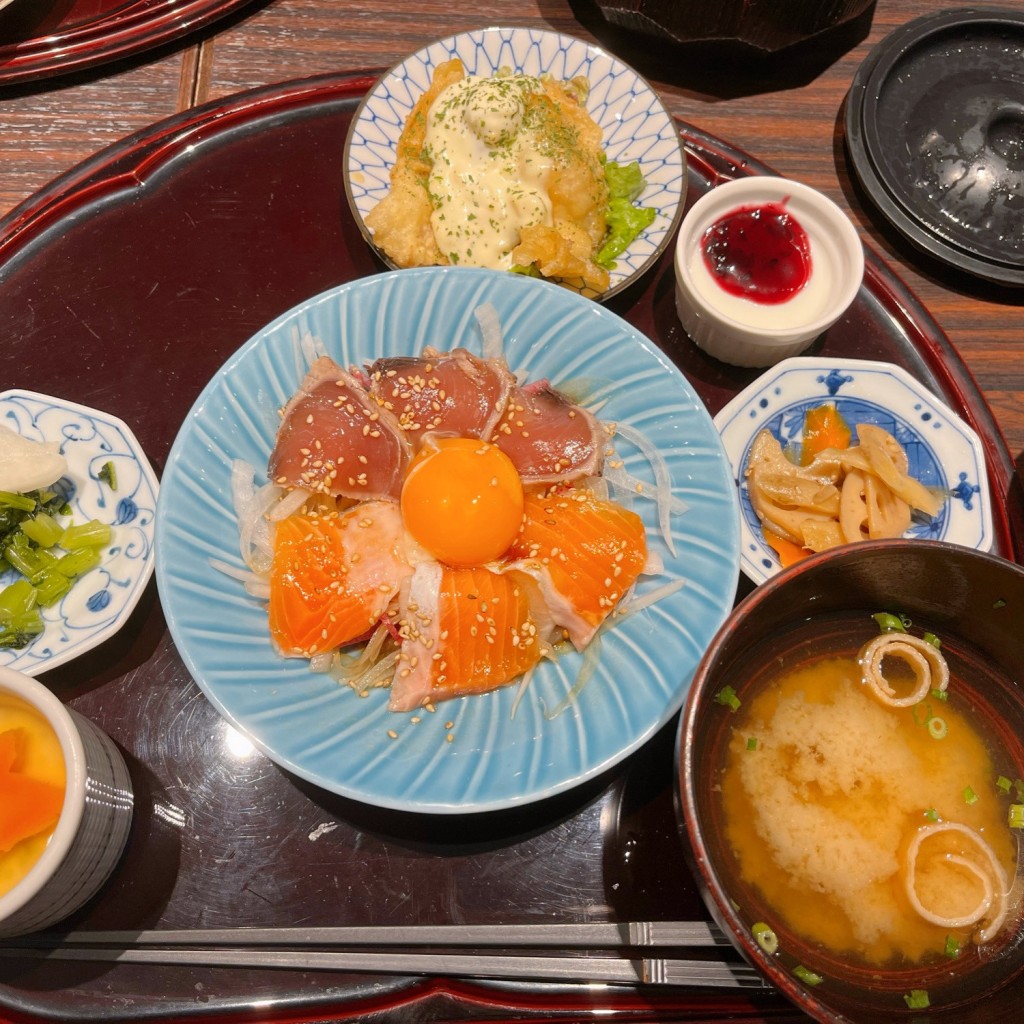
(400, 222)
(562, 252)
(557, 134)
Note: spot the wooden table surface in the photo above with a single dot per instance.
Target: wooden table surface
(789, 117)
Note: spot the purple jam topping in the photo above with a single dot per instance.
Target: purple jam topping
(758, 252)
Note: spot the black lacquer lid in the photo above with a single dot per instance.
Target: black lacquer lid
(935, 131)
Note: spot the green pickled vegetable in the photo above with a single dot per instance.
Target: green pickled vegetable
(48, 555)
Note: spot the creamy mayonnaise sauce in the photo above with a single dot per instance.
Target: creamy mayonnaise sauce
(489, 175)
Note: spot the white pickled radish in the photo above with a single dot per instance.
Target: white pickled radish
(27, 465)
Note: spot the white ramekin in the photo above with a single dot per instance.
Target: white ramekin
(92, 830)
(837, 259)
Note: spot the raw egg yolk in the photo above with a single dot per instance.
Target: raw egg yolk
(463, 501)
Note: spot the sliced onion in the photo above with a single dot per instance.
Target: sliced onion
(662, 479)
(291, 502)
(490, 329)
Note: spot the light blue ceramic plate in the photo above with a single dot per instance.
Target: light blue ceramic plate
(101, 601)
(943, 452)
(324, 732)
(635, 124)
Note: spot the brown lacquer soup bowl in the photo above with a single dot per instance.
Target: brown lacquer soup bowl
(850, 782)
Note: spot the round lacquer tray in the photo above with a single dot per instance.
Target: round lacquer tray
(124, 286)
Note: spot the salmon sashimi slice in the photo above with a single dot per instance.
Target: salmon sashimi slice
(335, 440)
(548, 438)
(333, 576)
(445, 392)
(584, 552)
(466, 631)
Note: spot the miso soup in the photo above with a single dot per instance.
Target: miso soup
(32, 784)
(876, 831)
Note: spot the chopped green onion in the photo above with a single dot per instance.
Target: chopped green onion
(727, 697)
(109, 475)
(931, 814)
(999, 603)
(932, 639)
(751, 743)
(917, 999)
(940, 694)
(937, 728)
(1016, 816)
(888, 623)
(766, 937)
(1018, 785)
(1003, 784)
(807, 976)
(970, 796)
(952, 947)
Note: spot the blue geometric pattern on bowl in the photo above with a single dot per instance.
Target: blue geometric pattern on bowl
(634, 121)
(100, 602)
(502, 754)
(943, 452)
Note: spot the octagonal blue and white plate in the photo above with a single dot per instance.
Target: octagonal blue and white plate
(505, 749)
(101, 601)
(635, 124)
(944, 453)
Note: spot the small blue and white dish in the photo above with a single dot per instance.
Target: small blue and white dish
(635, 125)
(944, 453)
(100, 602)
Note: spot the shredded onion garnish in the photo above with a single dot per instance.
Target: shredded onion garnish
(493, 343)
(924, 660)
(667, 504)
(991, 909)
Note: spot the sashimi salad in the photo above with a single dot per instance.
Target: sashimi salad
(435, 525)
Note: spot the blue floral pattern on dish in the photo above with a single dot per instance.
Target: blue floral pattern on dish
(943, 452)
(635, 123)
(101, 601)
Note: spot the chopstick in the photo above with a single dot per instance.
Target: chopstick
(609, 970)
(592, 935)
(284, 948)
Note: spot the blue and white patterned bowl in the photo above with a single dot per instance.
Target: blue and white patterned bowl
(99, 603)
(634, 121)
(944, 452)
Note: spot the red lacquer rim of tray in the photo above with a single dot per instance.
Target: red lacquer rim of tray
(131, 29)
